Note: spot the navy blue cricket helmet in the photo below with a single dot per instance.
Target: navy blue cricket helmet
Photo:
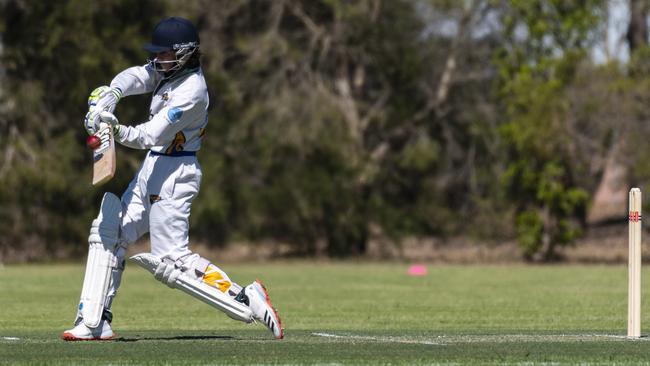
(174, 34)
(171, 34)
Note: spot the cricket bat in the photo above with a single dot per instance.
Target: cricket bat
(103, 145)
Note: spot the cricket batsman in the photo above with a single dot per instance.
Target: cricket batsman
(159, 198)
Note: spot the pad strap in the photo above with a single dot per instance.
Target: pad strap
(201, 266)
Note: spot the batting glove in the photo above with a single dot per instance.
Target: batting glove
(108, 117)
(101, 99)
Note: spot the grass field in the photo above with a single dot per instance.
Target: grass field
(338, 313)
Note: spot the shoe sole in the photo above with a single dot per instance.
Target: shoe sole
(69, 337)
(275, 312)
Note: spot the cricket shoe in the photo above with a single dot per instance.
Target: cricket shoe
(81, 332)
(263, 311)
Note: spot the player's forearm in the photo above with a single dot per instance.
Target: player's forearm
(156, 132)
(135, 80)
(135, 137)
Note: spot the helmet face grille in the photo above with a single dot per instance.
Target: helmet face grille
(182, 56)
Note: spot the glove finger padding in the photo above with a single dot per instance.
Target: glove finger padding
(108, 117)
(103, 98)
(89, 122)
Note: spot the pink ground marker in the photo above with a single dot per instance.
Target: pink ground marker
(417, 270)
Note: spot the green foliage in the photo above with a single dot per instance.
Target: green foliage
(542, 172)
(530, 232)
(54, 54)
(544, 28)
(298, 164)
(329, 118)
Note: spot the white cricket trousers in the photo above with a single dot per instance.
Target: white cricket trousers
(158, 201)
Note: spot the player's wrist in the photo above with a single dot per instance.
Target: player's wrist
(117, 93)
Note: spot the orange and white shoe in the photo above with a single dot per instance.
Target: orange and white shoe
(263, 311)
(81, 332)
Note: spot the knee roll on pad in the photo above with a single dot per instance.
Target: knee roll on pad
(105, 229)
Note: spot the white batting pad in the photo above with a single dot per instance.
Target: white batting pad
(175, 278)
(102, 241)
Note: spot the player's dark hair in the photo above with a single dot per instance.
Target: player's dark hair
(194, 60)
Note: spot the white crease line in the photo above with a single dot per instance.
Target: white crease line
(10, 338)
(503, 338)
(377, 339)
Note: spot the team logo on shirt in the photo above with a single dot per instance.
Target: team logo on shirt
(165, 96)
(174, 114)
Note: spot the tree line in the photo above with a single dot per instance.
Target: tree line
(333, 123)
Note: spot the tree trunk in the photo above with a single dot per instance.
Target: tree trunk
(637, 31)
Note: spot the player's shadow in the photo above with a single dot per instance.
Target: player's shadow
(174, 338)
